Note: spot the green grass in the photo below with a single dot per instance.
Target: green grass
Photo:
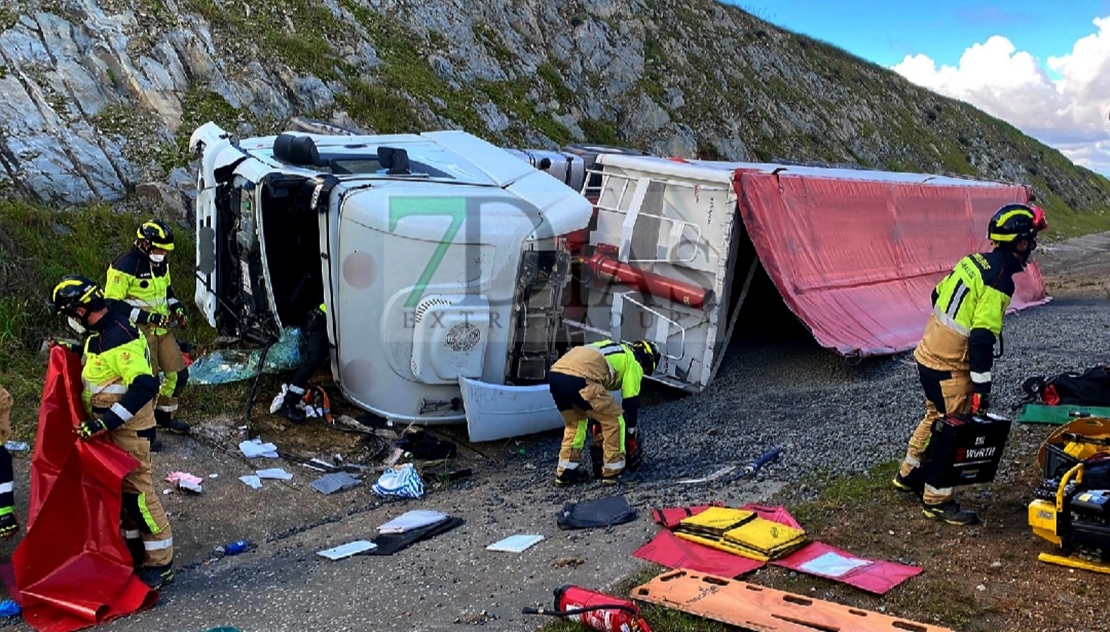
(38, 246)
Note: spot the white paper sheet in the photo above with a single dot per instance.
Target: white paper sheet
(274, 473)
(252, 480)
(515, 543)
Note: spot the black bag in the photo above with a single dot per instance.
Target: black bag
(1089, 388)
(603, 512)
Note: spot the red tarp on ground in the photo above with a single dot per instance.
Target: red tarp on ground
(815, 558)
(72, 570)
(856, 260)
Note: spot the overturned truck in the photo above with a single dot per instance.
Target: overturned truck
(455, 272)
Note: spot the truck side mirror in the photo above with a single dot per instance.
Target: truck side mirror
(394, 160)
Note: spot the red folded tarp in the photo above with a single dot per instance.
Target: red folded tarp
(72, 570)
(856, 256)
(815, 558)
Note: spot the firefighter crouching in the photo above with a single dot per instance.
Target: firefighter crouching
(140, 283)
(119, 389)
(580, 383)
(956, 352)
(314, 329)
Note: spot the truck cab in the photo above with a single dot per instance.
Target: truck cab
(441, 260)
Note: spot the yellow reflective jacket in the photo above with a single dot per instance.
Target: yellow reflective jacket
(145, 286)
(626, 374)
(968, 306)
(117, 363)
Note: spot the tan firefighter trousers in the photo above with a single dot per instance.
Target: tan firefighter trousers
(143, 515)
(946, 392)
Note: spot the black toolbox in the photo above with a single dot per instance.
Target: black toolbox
(965, 450)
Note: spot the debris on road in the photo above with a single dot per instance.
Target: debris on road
(399, 482)
(515, 543)
(186, 481)
(334, 482)
(344, 551)
(275, 473)
(412, 520)
(603, 512)
(252, 480)
(255, 448)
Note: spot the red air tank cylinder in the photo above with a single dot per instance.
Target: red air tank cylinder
(605, 268)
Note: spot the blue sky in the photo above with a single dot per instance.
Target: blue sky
(1042, 66)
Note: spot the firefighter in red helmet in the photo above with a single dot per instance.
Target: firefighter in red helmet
(956, 352)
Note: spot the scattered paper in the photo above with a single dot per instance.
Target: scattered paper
(331, 483)
(347, 550)
(213, 476)
(177, 477)
(515, 543)
(252, 480)
(412, 520)
(255, 448)
(274, 473)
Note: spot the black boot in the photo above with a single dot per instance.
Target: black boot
(157, 577)
(290, 409)
(9, 525)
(165, 420)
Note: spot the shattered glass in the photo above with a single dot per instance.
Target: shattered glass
(231, 365)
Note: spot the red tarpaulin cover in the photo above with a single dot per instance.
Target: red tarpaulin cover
(856, 260)
(815, 558)
(875, 576)
(72, 570)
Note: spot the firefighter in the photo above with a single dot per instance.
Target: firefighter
(956, 352)
(314, 329)
(140, 283)
(119, 391)
(580, 383)
(8, 522)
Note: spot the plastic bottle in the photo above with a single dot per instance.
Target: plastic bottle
(235, 548)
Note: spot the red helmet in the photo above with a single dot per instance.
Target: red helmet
(1039, 221)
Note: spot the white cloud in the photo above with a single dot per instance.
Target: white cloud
(1069, 113)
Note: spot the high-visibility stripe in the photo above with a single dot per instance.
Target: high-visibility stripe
(135, 313)
(131, 534)
(147, 518)
(912, 462)
(980, 378)
(950, 322)
(168, 408)
(296, 390)
(6, 487)
(122, 412)
(568, 465)
(105, 389)
(138, 302)
(6, 511)
(943, 491)
(157, 545)
(957, 299)
(619, 465)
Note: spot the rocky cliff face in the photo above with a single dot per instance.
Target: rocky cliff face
(97, 96)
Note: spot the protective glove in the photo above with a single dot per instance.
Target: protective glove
(980, 402)
(158, 320)
(179, 315)
(90, 428)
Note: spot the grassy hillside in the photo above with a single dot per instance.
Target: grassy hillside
(38, 247)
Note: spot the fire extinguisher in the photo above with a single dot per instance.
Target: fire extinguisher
(595, 610)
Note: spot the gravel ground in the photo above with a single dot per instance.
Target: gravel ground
(775, 389)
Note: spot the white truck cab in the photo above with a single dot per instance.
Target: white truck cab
(440, 258)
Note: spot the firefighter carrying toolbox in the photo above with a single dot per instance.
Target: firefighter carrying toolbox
(965, 450)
